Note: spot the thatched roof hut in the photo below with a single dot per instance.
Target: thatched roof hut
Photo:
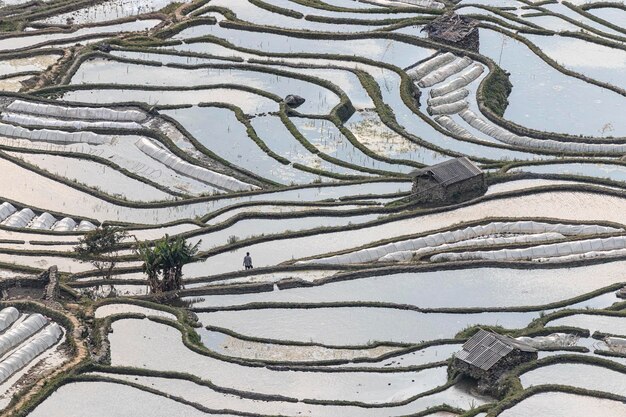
(449, 181)
(487, 356)
(456, 30)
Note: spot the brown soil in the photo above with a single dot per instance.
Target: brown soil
(80, 354)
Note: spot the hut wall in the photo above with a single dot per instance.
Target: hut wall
(426, 190)
(470, 42)
(491, 376)
(469, 188)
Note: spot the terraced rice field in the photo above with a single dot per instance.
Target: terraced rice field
(175, 118)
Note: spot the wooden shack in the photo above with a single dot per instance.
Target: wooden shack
(487, 356)
(448, 182)
(456, 30)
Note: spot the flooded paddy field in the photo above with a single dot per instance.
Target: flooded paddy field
(312, 208)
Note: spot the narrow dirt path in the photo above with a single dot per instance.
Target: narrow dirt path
(80, 354)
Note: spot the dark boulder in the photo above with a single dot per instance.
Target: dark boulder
(294, 101)
(417, 95)
(103, 47)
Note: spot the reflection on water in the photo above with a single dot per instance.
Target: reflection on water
(558, 404)
(596, 378)
(547, 100)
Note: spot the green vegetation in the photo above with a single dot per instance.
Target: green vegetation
(163, 263)
(10, 25)
(215, 56)
(171, 8)
(275, 9)
(497, 90)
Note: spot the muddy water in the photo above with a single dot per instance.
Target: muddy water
(34, 63)
(90, 398)
(325, 136)
(457, 397)
(13, 84)
(240, 348)
(146, 344)
(480, 287)
(604, 324)
(605, 171)
(110, 309)
(424, 356)
(355, 325)
(525, 184)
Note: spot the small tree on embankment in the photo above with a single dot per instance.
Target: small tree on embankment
(163, 262)
(100, 247)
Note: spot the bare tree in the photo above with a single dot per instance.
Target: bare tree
(100, 247)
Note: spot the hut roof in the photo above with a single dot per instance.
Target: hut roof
(451, 27)
(450, 171)
(485, 349)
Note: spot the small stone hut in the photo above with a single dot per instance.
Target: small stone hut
(487, 356)
(456, 30)
(448, 182)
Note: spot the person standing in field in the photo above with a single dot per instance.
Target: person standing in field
(247, 261)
